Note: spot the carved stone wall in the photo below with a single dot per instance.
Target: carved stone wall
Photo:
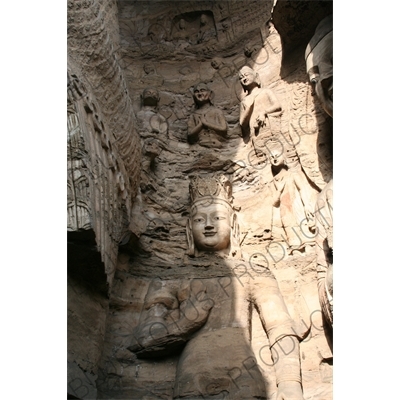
(131, 161)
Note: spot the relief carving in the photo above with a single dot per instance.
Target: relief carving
(206, 316)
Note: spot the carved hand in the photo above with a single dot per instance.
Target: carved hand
(157, 334)
(260, 119)
(195, 310)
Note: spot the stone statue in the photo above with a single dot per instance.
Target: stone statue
(207, 125)
(181, 33)
(209, 317)
(319, 63)
(286, 187)
(148, 117)
(150, 77)
(151, 126)
(260, 110)
(206, 32)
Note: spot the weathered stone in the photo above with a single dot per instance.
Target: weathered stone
(157, 99)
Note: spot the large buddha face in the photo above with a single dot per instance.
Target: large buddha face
(211, 225)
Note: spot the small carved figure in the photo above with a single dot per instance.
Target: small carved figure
(207, 125)
(150, 77)
(151, 124)
(258, 108)
(204, 317)
(227, 31)
(286, 186)
(206, 32)
(148, 117)
(181, 33)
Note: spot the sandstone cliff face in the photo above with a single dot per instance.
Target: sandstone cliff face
(130, 164)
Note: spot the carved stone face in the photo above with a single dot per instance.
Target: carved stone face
(202, 94)
(182, 24)
(149, 69)
(216, 62)
(276, 157)
(211, 226)
(247, 76)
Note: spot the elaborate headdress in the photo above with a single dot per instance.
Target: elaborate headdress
(210, 188)
(208, 191)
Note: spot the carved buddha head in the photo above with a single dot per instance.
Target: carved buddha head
(319, 63)
(212, 225)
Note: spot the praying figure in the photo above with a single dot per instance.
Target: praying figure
(207, 125)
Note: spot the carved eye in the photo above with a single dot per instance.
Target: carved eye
(219, 218)
(198, 220)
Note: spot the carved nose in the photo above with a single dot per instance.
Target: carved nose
(209, 225)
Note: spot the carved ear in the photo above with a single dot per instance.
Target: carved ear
(189, 236)
(212, 95)
(235, 237)
(257, 79)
